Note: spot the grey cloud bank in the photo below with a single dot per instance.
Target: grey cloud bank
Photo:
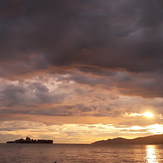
(78, 59)
(109, 34)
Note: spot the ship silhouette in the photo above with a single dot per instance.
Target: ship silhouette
(29, 140)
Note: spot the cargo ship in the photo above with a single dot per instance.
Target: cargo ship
(31, 141)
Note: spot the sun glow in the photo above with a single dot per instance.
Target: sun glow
(156, 129)
(148, 114)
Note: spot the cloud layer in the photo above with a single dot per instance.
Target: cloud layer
(122, 34)
(72, 60)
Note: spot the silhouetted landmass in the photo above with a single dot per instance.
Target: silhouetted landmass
(29, 140)
(154, 139)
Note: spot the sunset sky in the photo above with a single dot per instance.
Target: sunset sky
(78, 71)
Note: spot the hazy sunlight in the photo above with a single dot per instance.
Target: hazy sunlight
(148, 114)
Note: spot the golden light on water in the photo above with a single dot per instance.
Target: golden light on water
(151, 156)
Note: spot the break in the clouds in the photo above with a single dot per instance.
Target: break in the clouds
(80, 62)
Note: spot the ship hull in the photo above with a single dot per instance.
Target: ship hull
(31, 141)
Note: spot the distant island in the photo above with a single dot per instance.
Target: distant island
(29, 140)
(154, 139)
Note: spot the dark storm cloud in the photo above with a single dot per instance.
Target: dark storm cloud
(140, 84)
(11, 95)
(29, 94)
(41, 87)
(112, 34)
(65, 110)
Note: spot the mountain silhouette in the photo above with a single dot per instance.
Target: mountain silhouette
(153, 139)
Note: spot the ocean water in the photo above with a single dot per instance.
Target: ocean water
(51, 153)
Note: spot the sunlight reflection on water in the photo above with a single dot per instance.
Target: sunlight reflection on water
(151, 154)
(67, 153)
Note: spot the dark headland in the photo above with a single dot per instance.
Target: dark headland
(154, 139)
(31, 141)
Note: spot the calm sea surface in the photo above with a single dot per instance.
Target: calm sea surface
(50, 153)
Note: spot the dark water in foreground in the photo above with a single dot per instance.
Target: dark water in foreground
(44, 153)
